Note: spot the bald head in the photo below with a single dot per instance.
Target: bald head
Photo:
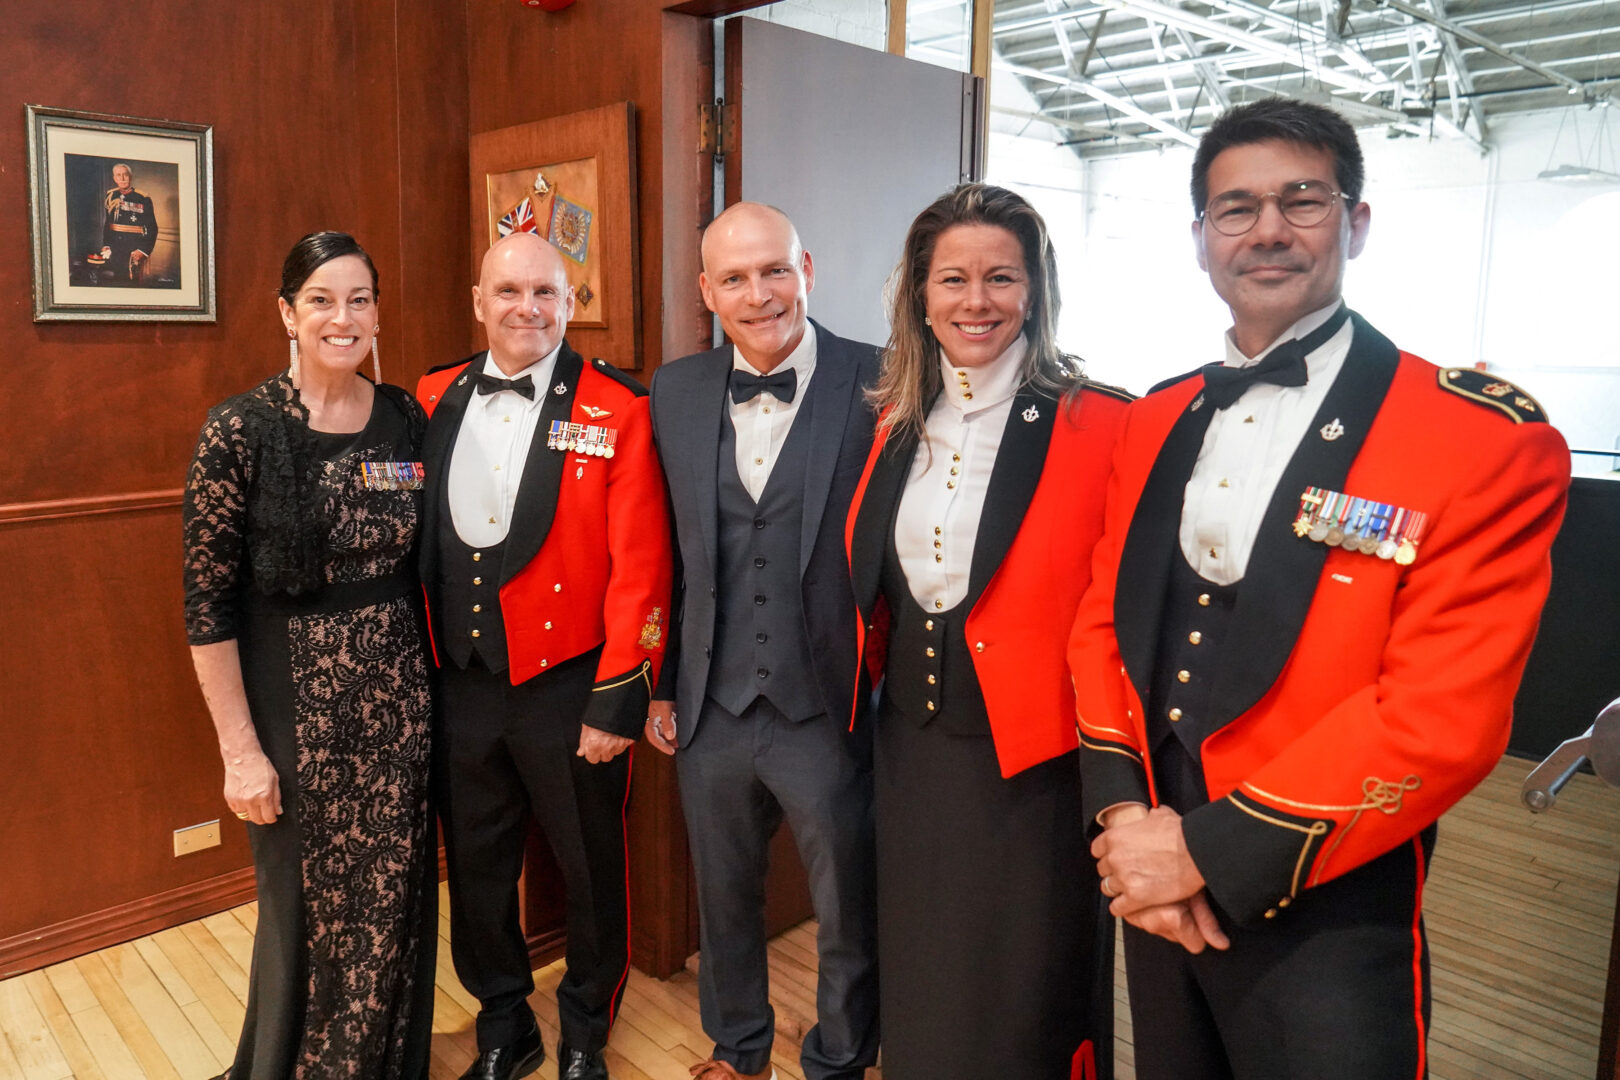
(523, 299)
(757, 278)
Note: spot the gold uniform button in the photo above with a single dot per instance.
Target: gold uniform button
(548, 624)
(956, 457)
(557, 587)
(1175, 714)
(1203, 601)
(931, 706)
(938, 557)
(978, 646)
(1285, 901)
(1271, 913)
(543, 663)
(929, 652)
(955, 470)
(1195, 637)
(477, 555)
(478, 581)
(932, 680)
(938, 544)
(475, 633)
(950, 483)
(477, 608)
(939, 604)
(928, 624)
(936, 530)
(1183, 676)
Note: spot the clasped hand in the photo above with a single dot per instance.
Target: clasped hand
(599, 747)
(1146, 869)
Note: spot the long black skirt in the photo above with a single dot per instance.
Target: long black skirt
(995, 956)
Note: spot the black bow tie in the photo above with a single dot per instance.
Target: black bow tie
(1284, 365)
(781, 385)
(490, 384)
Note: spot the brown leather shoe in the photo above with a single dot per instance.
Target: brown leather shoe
(715, 1069)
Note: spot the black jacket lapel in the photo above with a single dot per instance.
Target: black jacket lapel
(702, 414)
(1152, 541)
(1013, 479)
(832, 387)
(543, 469)
(1284, 570)
(437, 446)
(876, 516)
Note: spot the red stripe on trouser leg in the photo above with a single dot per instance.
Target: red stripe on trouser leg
(624, 820)
(1417, 964)
(1084, 1064)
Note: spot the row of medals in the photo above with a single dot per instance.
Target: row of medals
(1355, 524)
(581, 438)
(392, 475)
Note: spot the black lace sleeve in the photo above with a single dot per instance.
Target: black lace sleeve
(213, 518)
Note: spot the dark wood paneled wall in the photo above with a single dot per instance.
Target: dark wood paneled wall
(349, 116)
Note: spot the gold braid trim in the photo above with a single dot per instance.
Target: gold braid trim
(1122, 752)
(1311, 831)
(639, 673)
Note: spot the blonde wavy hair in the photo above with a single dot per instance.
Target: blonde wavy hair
(910, 378)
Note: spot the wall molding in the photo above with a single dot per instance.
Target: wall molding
(58, 509)
(123, 922)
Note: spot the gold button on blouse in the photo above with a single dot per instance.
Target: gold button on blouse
(928, 624)
(477, 555)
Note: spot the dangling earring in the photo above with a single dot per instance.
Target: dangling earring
(376, 364)
(292, 358)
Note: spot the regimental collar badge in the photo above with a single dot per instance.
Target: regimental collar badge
(462, 381)
(560, 389)
(1332, 429)
(594, 413)
(1356, 524)
(1198, 403)
(1031, 415)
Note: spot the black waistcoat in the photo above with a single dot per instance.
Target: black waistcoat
(929, 675)
(467, 618)
(761, 647)
(1192, 643)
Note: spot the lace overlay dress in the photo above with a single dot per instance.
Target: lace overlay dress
(337, 683)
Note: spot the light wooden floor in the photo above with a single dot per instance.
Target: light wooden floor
(1520, 909)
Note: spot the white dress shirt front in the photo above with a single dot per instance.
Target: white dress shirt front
(486, 465)
(939, 514)
(1245, 450)
(762, 422)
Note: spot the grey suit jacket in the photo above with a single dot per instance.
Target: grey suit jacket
(688, 406)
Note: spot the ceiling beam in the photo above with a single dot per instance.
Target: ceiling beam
(1114, 101)
(1458, 30)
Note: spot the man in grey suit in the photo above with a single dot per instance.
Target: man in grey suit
(763, 442)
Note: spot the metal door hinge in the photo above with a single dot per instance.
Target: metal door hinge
(714, 128)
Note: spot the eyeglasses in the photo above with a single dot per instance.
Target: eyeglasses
(1303, 203)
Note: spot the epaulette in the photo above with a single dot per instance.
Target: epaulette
(619, 377)
(1119, 393)
(453, 363)
(1499, 394)
(1172, 380)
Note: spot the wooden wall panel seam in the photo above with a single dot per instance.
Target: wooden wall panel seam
(86, 506)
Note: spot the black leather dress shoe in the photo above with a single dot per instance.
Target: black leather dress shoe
(578, 1065)
(510, 1061)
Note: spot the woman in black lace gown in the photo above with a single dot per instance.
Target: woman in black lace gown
(304, 616)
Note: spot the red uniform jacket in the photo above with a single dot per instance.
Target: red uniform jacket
(1361, 697)
(1031, 561)
(587, 558)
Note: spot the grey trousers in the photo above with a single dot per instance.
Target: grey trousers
(739, 777)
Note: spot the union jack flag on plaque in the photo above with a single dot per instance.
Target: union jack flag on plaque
(518, 219)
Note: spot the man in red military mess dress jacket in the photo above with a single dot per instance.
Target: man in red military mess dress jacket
(1321, 572)
(546, 557)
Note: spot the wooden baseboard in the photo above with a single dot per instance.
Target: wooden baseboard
(110, 926)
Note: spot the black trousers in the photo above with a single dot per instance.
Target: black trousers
(1335, 987)
(508, 752)
(739, 775)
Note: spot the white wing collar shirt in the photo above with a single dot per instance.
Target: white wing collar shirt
(938, 519)
(1246, 448)
(762, 422)
(486, 465)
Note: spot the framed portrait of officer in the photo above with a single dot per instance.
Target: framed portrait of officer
(122, 217)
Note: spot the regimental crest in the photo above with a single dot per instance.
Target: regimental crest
(652, 631)
(1332, 430)
(1031, 415)
(560, 389)
(1499, 394)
